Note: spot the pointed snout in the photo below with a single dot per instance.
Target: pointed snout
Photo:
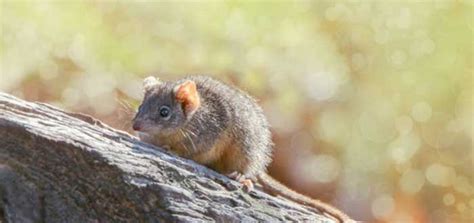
(137, 126)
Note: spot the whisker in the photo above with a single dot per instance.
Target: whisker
(190, 139)
(184, 144)
(125, 113)
(191, 132)
(125, 106)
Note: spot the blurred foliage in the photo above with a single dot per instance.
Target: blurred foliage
(370, 102)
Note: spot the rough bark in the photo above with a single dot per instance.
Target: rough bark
(57, 166)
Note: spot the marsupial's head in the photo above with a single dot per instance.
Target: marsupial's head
(166, 106)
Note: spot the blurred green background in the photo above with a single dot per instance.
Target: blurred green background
(370, 102)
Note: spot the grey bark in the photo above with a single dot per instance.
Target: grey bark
(57, 166)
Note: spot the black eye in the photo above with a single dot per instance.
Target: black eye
(164, 111)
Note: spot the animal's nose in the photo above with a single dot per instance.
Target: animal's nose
(137, 126)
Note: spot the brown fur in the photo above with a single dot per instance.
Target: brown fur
(212, 156)
(230, 158)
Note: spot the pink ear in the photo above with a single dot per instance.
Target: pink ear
(187, 94)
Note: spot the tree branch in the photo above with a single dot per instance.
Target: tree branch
(57, 166)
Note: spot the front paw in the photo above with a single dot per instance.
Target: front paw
(247, 183)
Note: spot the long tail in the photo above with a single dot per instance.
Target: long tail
(274, 187)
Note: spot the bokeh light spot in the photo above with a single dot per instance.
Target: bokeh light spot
(421, 112)
(321, 168)
(383, 206)
(449, 199)
(412, 181)
(440, 175)
(461, 207)
(322, 85)
(404, 147)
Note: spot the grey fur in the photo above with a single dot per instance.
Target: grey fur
(224, 110)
